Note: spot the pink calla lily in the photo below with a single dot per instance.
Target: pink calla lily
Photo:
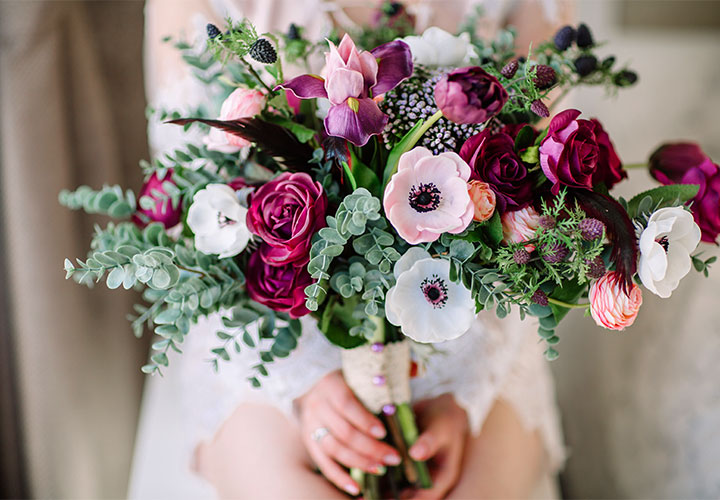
(353, 78)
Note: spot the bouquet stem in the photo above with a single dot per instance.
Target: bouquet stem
(408, 427)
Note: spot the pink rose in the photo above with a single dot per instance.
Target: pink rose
(285, 213)
(610, 306)
(428, 196)
(520, 225)
(483, 199)
(242, 103)
(163, 211)
(281, 288)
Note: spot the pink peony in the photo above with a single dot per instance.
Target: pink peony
(483, 199)
(610, 307)
(429, 196)
(163, 211)
(520, 225)
(470, 95)
(242, 103)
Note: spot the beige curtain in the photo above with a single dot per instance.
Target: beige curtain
(72, 101)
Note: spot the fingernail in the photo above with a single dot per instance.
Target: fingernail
(378, 432)
(417, 452)
(392, 459)
(352, 489)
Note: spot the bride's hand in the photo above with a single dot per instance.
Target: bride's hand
(442, 442)
(336, 428)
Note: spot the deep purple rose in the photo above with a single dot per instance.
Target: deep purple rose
(470, 95)
(163, 211)
(285, 213)
(609, 168)
(281, 288)
(570, 153)
(686, 163)
(493, 160)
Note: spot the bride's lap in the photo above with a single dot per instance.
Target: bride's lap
(258, 453)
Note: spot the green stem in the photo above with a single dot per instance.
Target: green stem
(191, 270)
(635, 165)
(254, 73)
(425, 127)
(406, 419)
(568, 305)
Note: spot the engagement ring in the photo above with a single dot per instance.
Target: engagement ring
(319, 433)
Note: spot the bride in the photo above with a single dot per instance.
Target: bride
(486, 407)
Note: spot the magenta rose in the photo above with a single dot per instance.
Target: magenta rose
(493, 160)
(163, 211)
(569, 154)
(470, 95)
(281, 288)
(686, 163)
(609, 168)
(285, 213)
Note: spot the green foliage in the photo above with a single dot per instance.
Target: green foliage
(647, 202)
(702, 266)
(110, 200)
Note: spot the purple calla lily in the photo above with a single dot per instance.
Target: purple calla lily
(353, 79)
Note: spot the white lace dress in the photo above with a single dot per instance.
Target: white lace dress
(495, 359)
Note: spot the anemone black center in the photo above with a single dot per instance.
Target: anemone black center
(664, 243)
(433, 294)
(424, 198)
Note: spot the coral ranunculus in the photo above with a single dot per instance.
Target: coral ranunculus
(610, 306)
(242, 103)
(493, 160)
(428, 196)
(470, 95)
(483, 198)
(285, 213)
(163, 211)
(686, 163)
(520, 225)
(281, 288)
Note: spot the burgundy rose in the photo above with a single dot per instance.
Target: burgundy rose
(163, 211)
(609, 168)
(493, 160)
(285, 213)
(686, 163)
(570, 153)
(470, 95)
(281, 288)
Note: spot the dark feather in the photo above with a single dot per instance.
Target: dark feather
(274, 140)
(619, 229)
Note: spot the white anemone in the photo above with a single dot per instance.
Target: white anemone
(424, 303)
(665, 247)
(438, 48)
(218, 220)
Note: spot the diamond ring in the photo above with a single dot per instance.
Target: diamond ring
(319, 433)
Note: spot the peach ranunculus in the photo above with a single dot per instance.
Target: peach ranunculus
(610, 306)
(520, 225)
(483, 198)
(428, 196)
(242, 103)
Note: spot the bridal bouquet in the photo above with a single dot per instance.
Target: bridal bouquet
(393, 196)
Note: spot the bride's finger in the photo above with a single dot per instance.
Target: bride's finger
(344, 431)
(348, 457)
(331, 470)
(348, 405)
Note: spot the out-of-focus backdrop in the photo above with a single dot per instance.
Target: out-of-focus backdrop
(641, 408)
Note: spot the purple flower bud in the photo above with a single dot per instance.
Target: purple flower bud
(510, 69)
(564, 37)
(554, 252)
(521, 256)
(547, 222)
(540, 298)
(470, 95)
(545, 77)
(596, 268)
(538, 107)
(591, 229)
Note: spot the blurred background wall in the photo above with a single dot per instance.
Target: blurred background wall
(71, 113)
(641, 408)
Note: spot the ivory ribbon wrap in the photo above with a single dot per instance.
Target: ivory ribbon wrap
(362, 365)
